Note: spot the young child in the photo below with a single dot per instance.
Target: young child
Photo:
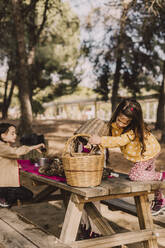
(10, 189)
(128, 131)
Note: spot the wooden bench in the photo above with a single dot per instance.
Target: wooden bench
(118, 239)
(130, 208)
(18, 232)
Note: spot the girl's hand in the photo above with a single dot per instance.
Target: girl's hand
(94, 140)
(37, 147)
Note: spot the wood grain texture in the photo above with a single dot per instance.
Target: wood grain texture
(16, 233)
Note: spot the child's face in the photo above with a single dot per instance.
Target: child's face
(10, 135)
(122, 121)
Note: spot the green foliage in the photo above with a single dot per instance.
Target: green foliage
(104, 83)
(61, 34)
(135, 39)
(66, 86)
(37, 107)
(57, 52)
(80, 92)
(52, 43)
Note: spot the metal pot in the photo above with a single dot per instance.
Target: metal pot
(44, 161)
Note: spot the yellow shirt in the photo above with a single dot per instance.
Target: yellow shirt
(130, 146)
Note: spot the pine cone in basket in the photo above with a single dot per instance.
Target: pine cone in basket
(54, 169)
(80, 146)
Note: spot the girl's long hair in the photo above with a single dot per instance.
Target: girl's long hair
(4, 127)
(132, 109)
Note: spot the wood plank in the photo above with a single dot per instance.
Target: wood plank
(159, 220)
(12, 239)
(125, 206)
(137, 186)
(119, 204)
(145, 218)
(141, 186)
(155, 185)
(24, 234)
(106, 197)
(101, 223)
(160, 232)
(112, 186)
(115, 240)
(87, 192)
(119, 239)
(71, 221)
(115, 186)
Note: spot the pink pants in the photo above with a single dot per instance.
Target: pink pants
(144, 171)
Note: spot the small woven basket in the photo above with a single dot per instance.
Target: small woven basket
(82, 169)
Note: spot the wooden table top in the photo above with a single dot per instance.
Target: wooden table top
(118, 185)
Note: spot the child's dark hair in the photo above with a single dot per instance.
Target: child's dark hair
(4, 127)
(132, 109)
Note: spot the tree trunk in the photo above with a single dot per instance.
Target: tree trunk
(34, 36)
(159, 121)
(7, 99)
(116, 82)
(163, 112)
(23, 82)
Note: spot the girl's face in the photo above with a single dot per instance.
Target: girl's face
(10, 135)
(122, 121)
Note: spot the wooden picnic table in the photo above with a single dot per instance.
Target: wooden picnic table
(114, 188)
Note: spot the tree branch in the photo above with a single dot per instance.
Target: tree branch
(43, 20)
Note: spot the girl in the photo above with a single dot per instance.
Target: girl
(128, 131)
(10, 189)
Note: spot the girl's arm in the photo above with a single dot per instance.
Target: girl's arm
(113, 141)
(15, 152)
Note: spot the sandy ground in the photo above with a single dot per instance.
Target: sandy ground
(50, 215)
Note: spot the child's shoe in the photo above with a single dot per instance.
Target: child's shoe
(85, 233)
(4, 203)
(95, 235)
(158, 206)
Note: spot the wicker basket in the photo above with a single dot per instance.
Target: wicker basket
(82, 169)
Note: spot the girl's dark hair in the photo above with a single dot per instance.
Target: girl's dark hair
(4, 127)
(132, 109)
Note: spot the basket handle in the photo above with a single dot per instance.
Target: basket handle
(66, 148)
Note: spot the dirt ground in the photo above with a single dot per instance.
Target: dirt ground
(50, 215)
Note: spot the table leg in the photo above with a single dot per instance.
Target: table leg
(66, 197)
(101, 223)
(71, 221)
(145, 218)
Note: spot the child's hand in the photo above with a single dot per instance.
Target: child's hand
(94, 140)
(37, 147)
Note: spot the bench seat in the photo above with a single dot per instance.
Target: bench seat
(18, 232)
(130, 208)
